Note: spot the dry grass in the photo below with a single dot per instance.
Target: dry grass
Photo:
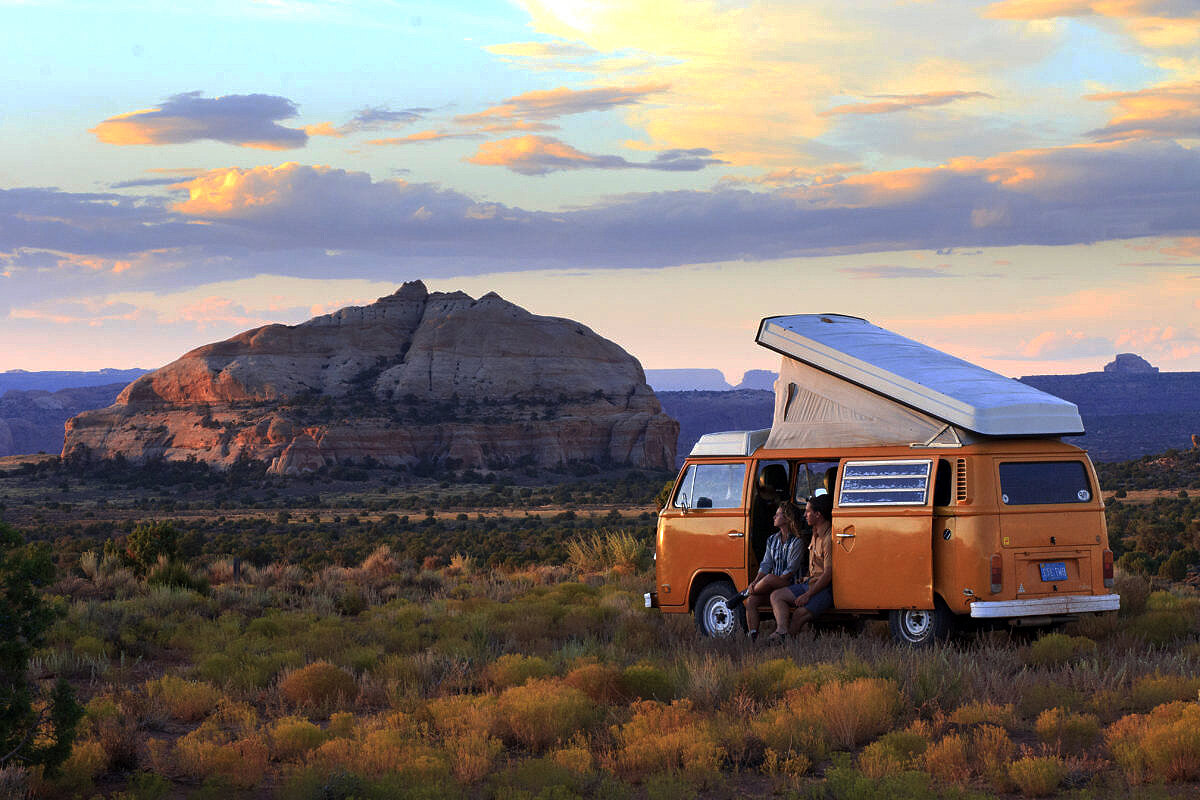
(318, 686)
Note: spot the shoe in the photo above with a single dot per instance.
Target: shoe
(753, 636)
(776, 638)
(737, 599)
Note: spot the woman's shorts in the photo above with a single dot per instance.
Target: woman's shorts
(819, 603)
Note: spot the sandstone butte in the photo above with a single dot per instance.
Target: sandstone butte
(415, 377)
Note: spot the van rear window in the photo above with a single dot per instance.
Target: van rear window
(1034, 483)
(884, 483)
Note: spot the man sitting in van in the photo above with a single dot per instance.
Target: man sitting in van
(779, 565)
(814, 596)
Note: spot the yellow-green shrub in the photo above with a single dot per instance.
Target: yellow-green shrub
(1163, 745)
(319, 685)
(513, 669)
(664, 737)
(86, 761)
(980, 711)
(1155, 690)
(292, 737)
(858, 710)
(793, 726)
(542, 712)
(1067, 731)
(1054, 649)
(767, 681)
(991, 751)
(646, 682)
(241, 762)
(183, 700)
(892, 754)
(472, 755)
(1037, 776)
(459, 714)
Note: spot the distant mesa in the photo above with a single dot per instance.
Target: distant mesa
(1130, 364)
(416, 377)
(758, 379)
(687, 380)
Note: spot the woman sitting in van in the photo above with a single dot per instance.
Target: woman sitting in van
(779, 565)
(815, 596)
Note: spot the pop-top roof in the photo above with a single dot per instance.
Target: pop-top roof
(730, 443)
(919, 376)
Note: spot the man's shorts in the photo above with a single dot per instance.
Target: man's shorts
(819, 603)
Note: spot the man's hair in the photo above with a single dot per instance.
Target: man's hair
(823, 505)
(792, 514)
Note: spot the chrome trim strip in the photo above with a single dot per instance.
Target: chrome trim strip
(1067, 604)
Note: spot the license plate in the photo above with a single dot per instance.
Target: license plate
(1053, 570)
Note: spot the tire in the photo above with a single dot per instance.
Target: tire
(921, 627)
(713, 617)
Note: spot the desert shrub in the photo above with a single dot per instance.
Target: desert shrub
(664, 737)
(183, 700)
(225, 746)
(1134, 591)
(90, 647)
(542, 712)
(858, 710)
(892, 754)
(600, 682)
(537, 777)
(473, 755)
(1037, 776)
(947, 760)
(1037, 697)
(1149, 691)
(574, 756)
(1168, 616)
(978, 712)
(319, 685)
(767, 681)
(618, 550)
(706, 679)
(991, 752)
(646, 682)
(384, 751)
(1163, 745)
(793, 726)
(171, 573)
(86, 762)
(1055, 649)
(459, 714)
(843, 782)
(292, 737)
(514, 669)
(1066, 731)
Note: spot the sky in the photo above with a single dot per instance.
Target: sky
(1015, 182)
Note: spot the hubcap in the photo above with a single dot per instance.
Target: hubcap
(718, 618)
(916, 624)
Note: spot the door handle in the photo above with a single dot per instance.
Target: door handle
(736, 534)
(844, 535)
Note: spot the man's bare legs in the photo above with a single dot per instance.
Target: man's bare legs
(782, 603)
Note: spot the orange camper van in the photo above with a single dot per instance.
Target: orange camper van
(957, 503)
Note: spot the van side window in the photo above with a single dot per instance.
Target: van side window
(885, 483)
(814, 475)
(711, 486)
(1042, 482)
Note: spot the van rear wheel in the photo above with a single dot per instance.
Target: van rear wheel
(920, 627)
(714, 617)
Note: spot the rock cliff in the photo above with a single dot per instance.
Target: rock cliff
(415, 377)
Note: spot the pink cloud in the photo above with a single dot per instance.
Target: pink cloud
(893, 103)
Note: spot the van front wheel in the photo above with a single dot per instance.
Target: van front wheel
(714, 617)
(919, 627)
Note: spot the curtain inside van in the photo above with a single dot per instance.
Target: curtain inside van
(816, 409)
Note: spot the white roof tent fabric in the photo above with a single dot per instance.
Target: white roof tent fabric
(845, 382)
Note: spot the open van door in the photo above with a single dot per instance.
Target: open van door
(882, 534)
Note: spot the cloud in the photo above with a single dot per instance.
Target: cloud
(1163, 112)
(369, 119)
(137, 182)
(245, 120)
(539, 155)
(552, 103)
(1055, 345)
(891, 104)
(420, 137)
(885, 272)
(566, 56)
(1156, 24)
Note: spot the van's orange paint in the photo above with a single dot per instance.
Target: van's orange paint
(920, 552)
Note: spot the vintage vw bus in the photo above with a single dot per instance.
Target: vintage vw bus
(956, 502)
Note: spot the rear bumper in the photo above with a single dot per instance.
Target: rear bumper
(1067, 604)
(651, 599)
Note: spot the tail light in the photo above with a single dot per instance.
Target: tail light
(997, 574)
(1108, 569)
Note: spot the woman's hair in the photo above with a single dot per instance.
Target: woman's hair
(823, 505)
(793, 515)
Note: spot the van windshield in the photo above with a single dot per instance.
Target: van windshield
(1044, 482)
(712, 486)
